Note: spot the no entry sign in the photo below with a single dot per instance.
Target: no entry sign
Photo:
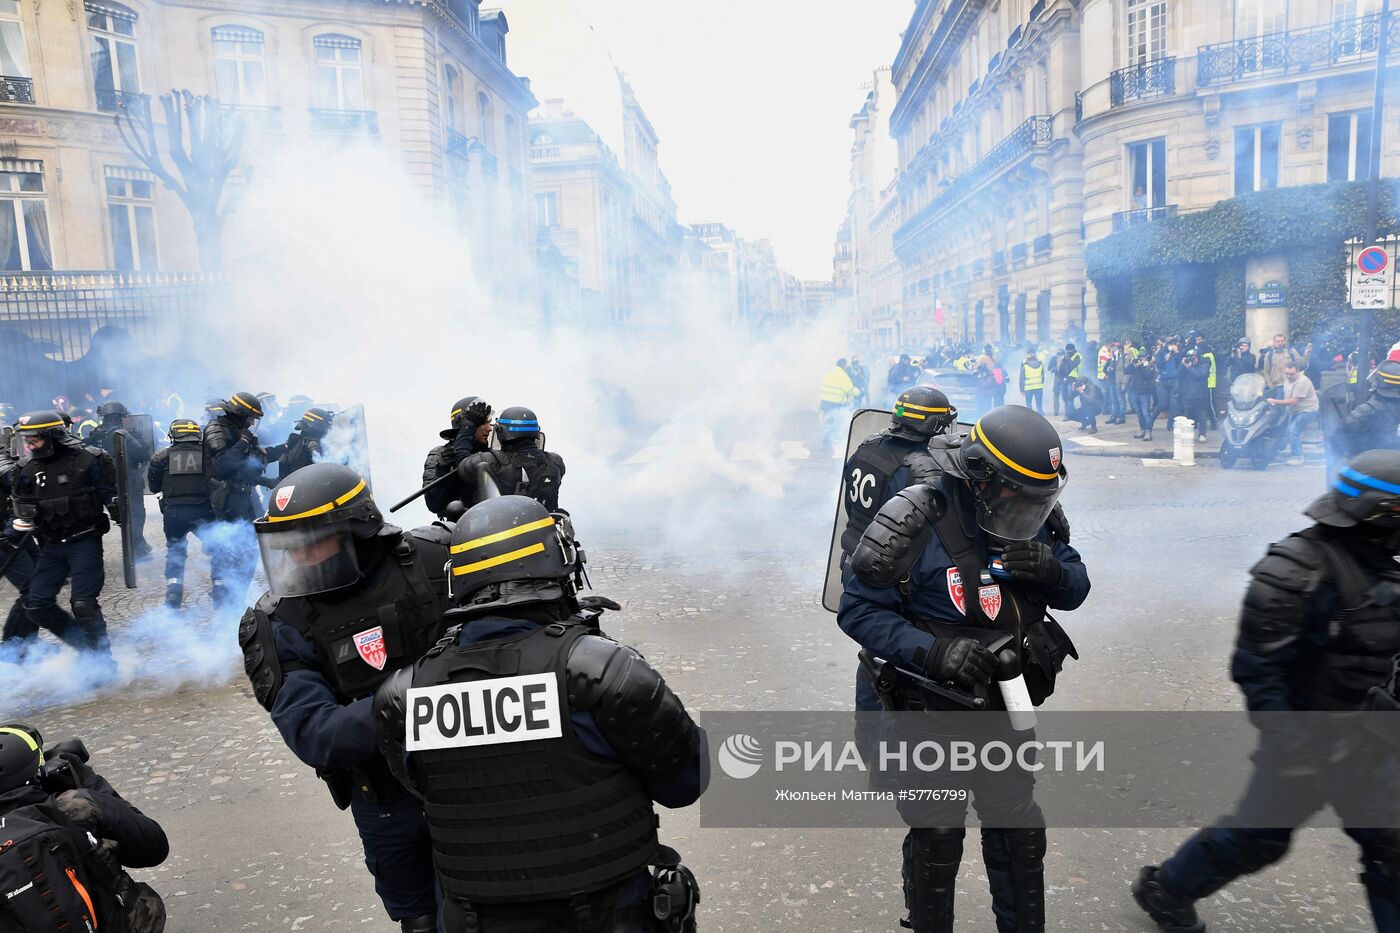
(1372, 276)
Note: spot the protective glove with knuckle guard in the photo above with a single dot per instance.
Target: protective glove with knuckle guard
(477, 414)
(1033, 563)
(962, 660)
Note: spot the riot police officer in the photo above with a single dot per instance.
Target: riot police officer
(522, 467)
(591, 739)
(235, 464)
(1373, 423)
(61, 487)
(350, 600)
(178, 475)
(113, 415)
(1318, 631)
(469, 433)
(18, 555)
(946, 575)
(303, 445)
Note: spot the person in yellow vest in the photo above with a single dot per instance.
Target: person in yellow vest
(1207, 355)
(1069, 372)
(1033, 382)
(837, 394)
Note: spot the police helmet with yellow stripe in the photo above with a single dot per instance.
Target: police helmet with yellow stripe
(46, 424)
(1013, 460)
(1385, 381)
(21, 756)
(244, 406)
(315, 422)
(921, 412)
(308, 536)
(183, 429)
(510, 551)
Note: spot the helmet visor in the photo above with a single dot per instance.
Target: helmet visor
(307, 561)
(1014, 512)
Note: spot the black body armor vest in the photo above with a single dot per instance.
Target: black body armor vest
(530, 472)
(1361, 641)
(186, 482)
(56, 494)
(868, 473)
(540, 819)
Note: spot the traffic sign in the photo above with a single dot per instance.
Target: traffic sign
(1372, 280)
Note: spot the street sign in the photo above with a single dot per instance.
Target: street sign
(1372, 279)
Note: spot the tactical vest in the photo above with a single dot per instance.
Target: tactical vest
(1361, 641)
(868, 474)
(1034, 376)
(540, 819)
(363, 639)
(186, 482)
(56, 493)
(531, 472)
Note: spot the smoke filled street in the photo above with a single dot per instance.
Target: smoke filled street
(735, 624)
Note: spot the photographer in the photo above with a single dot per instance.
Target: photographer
(1086, 403)
(1142, 389)
(70, 838)
(1195, 391)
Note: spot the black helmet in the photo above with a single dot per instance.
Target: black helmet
(1365, 493)
(47, 424)
(1012, 459)
(112, 409)
(517, 424)
(510, 551)
(307, 538)
(1385, 381)
(21, 756)
(315, 422)
(922, 412)
(244, 406)
(183, 429)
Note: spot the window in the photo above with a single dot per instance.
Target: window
(24, 220)
(240, 73)
(547, 209)
(1254, 18)
(1256, 157)
(112, 28)
(452, 95)
(1349, 146)
(483, 112)
(1147, 31)
(1147, 166)
(339, 73)
(131, 209)
(14, 55)
(1343, 10)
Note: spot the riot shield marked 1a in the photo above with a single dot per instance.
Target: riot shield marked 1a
(128, 540)
(865, 422)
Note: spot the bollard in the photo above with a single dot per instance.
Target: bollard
(1184, 441)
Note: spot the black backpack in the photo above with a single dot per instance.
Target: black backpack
(50, 879)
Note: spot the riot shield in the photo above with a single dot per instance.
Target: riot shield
(347, 442)
(124, 494)
(142, 429)
(1333, 407)
(865, 422)
(12, 440)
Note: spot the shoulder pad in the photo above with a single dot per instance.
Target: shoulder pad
(923, 468)
(1294, 564)
(589, 660)
(895, 538)
(436, 533)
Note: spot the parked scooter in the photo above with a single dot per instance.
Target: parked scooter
(1253, 428)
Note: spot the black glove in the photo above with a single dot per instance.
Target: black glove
(115, 512)
(1059, 523)
(477, 414)
(962, 660)
(1033, 563)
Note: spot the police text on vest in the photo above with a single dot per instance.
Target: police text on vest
(484, 712)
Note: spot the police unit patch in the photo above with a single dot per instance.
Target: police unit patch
(284, 495)
(370, 645)
(955, 590)
(990, 599)
(1054, 458)
(484, 712)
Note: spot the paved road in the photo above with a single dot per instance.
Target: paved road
(725, 604)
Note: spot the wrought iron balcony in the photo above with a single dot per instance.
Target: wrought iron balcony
(1296, 51)
(16, 90)
(1142, 81)
(457, 144)
(345, 122)
(109, 101)
(1122, 220)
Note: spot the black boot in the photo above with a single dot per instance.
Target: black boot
(92, 637)
(1172, 913)
(935, 855)
(17, 624)
(174, 594)
(424, 924)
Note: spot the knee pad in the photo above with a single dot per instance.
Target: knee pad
(937, 853)
(1027, 847)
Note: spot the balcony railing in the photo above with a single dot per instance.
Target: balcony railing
(1293, 52)
(345, 122)
(119, 101)
(457, 144)
(544, 153)
(1142, 81)
(1122, 220)
(16, 90)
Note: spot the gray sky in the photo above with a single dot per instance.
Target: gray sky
(751, 98)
